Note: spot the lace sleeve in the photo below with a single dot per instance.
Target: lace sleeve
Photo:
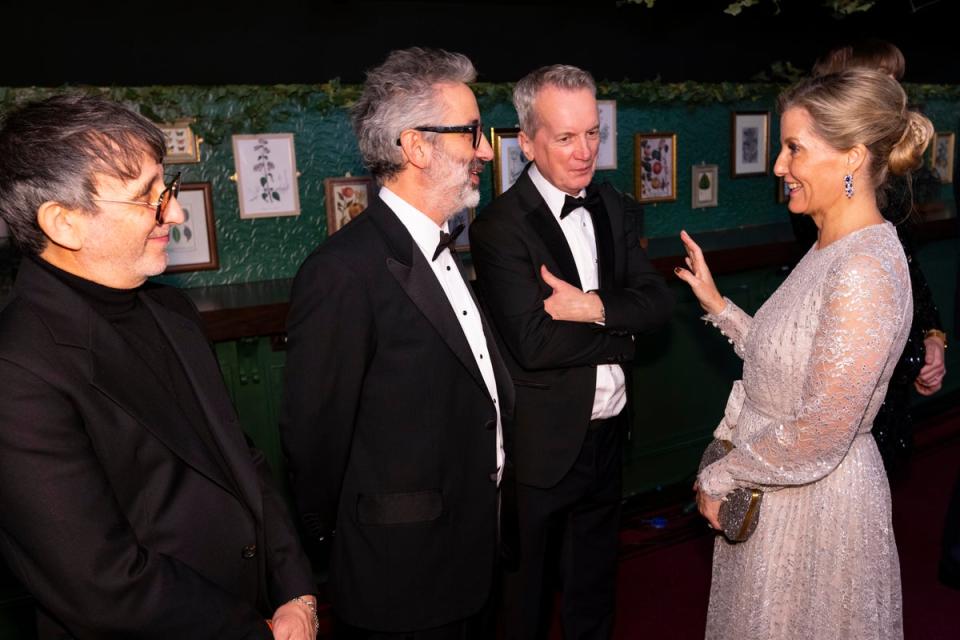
(734, 323)
(859, 321)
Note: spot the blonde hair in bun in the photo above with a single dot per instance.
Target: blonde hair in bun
(907, 154)
(868, 107)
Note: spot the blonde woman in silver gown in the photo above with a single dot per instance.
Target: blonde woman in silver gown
(818, 355)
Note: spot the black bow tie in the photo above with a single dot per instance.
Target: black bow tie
(447, 240)
(570, 203)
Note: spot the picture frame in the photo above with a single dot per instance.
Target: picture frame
(941, 158)
(192, 245)
(266, 175)
(749, 143)
(607, 154)
(346, 197)
(704, 186)
(655, 166)
(508, 158)
(182, 145)
(465, 216)
(783, 193)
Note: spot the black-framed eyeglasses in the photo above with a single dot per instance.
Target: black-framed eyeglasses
(171, 191)
(474, 128)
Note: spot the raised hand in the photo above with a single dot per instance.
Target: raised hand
(698, 276)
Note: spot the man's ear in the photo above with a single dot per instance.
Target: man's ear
(62, 226)
(416, 150)
(526, 145)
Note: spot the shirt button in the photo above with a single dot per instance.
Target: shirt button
(481, 356)
(249, 551)
(448, 267)
(464, 312)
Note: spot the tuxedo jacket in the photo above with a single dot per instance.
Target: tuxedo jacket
(553, 363)
(390, 430)
(115, 514)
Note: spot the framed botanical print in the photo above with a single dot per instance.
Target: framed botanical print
(192, 245)
(607, 154)
(346, 198)
(750, 144)
(703, 186)
(266, 168)
(942, 157)
(655, 166)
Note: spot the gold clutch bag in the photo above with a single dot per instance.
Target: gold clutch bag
(740, 512)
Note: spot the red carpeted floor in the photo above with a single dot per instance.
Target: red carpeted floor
(663, 588)
(664, 575)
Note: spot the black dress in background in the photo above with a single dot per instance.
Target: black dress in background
(893, 426)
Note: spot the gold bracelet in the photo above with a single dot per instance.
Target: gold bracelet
(313, 610)
(936, 333)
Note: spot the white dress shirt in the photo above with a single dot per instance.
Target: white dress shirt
(577, 227)
(426, 235)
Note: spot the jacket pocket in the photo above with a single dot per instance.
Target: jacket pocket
(399, 508)
(520, 382)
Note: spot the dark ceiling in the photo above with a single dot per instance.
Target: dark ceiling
(301, 42)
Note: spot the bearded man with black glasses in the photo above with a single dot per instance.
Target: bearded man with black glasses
(396, 394)
(132, 505)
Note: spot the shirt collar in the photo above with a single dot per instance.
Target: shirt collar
(553, 196)
(425, 232)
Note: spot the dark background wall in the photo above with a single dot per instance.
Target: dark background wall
(312, 42)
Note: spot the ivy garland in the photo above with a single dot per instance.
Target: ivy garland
(220, 110)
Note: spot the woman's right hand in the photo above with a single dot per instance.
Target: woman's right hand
(699, 278)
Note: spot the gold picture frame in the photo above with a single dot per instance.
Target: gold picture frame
(508, 158)
(655, 166)
(346, 198)
(182, 145)
(941, 158)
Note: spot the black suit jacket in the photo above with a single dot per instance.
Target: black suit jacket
(114, 515)
(390, 430)
(553, 363)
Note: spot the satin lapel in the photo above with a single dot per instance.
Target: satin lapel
(127, 380)
(411, 270)
(605, 249)
(615, 214)
(201, 369)
(547, 228)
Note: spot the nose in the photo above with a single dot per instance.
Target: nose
(780, 165)
(582, 149)
(173, 213)
(484, 150)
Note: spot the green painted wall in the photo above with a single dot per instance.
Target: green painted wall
(272, 248)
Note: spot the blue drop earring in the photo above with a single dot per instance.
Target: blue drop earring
(848, 185)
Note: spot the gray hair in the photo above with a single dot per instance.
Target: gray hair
(401, 94)
(53, 150)
(560, 76)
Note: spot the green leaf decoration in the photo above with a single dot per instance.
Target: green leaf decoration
(704, 181)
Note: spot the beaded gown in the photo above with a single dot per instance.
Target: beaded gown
(818, 355)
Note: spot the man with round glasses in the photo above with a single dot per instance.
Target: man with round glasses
(132, 504)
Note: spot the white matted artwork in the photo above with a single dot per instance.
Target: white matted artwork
(703, 186)
(192, 245)
(750, 143)
(508, 158)
(266, 175)
(607, 155)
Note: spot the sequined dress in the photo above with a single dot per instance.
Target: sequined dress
(818, 355)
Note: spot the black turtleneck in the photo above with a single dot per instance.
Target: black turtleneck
(124, 310)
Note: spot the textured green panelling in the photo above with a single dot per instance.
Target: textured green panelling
(271, 248)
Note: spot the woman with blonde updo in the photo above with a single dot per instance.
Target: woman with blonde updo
(818, 355)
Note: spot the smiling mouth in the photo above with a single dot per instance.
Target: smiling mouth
(793, 186)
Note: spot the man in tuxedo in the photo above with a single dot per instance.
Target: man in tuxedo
(562, 274)
(396, 392)
(132, 505)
